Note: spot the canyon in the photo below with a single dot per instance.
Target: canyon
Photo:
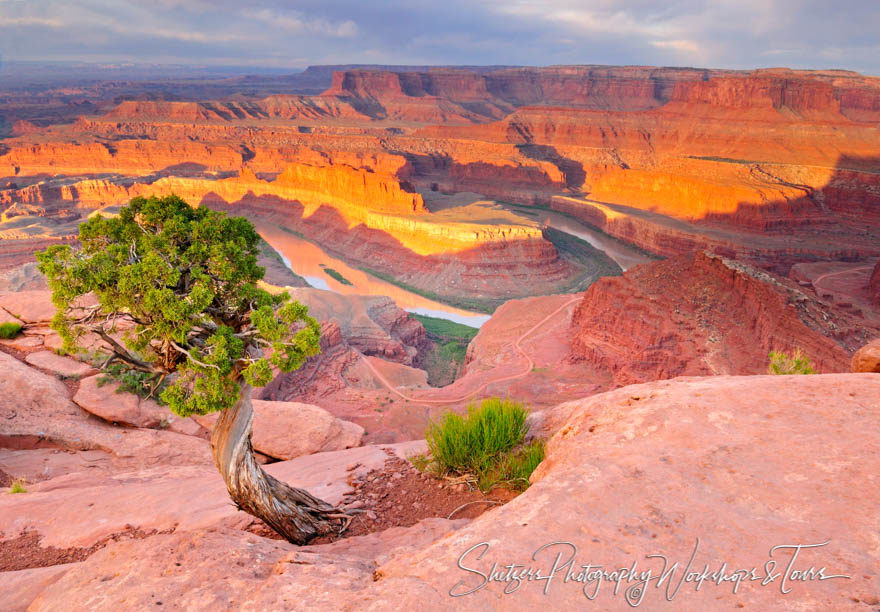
(632, 242)
(702, 314)
(467, 191)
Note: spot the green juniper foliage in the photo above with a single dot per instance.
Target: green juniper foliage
(179, 283)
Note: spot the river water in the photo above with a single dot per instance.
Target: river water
(310, 261)
(626, 257)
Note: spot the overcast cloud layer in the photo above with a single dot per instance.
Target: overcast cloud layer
(703, 33)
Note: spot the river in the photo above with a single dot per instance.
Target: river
(625, 257)
(310, 261)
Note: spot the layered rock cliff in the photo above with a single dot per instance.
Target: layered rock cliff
(702, 315)
(357, 191)
(131, 157)
(272, 107)
(773, 166)
(874, 285)
(486, 95)
(467, 265)
(774, 250)
(369, 219)
(762, 150)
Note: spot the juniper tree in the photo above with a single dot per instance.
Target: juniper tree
(172, 292)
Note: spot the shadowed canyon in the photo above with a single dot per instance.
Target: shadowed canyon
(631, 242)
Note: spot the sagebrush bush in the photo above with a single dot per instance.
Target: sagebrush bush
(18, 486)
(785, 364)
(486, 444)
(520, 464)
(9, 329)
(467, 443)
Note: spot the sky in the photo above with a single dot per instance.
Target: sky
(700, 33)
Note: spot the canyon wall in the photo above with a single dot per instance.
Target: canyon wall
(366, 218)
(767, 150)
(615, 88)
(272, 107)
(357, 190)
(358, 197)
(773, 166)
(131, 157)
(874, 285)
(667, 236)
(703, 315)
(480, 275)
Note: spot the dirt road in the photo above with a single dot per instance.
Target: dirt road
(516, 344)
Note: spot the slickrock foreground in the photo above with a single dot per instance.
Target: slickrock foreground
(727, 466)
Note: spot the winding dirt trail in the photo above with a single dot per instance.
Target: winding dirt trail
(516, 345)
(827, 274)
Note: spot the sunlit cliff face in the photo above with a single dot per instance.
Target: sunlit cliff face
(742, 152)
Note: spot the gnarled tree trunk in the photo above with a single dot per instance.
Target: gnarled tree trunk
(294, 513)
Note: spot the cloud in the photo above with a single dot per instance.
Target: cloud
(685, 46)
(295, 22)
(709, 33)
(30, 21)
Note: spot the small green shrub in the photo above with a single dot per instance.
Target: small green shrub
(421, 461)
(796, 363)
(9, 330)
(486, 444)
(520, 464)
(468, 443)
(18, 486)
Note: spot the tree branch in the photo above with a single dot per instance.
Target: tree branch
(121, 352)
(191, 358)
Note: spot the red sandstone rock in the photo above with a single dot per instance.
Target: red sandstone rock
(64, 366)
(24, 277)
(34, 405)
(373, 325)
(815, 180)
(25, 388)
(702, 315)
(487, 263)
(874, 285)
(286, 430)
(867, 358)
(127, 156)
(126, 408)
(95, 500)
(29, 306)
(22, 587)
(344, 565)
(278, 106)
(352, 218)
(5, 317)
(669, 463)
